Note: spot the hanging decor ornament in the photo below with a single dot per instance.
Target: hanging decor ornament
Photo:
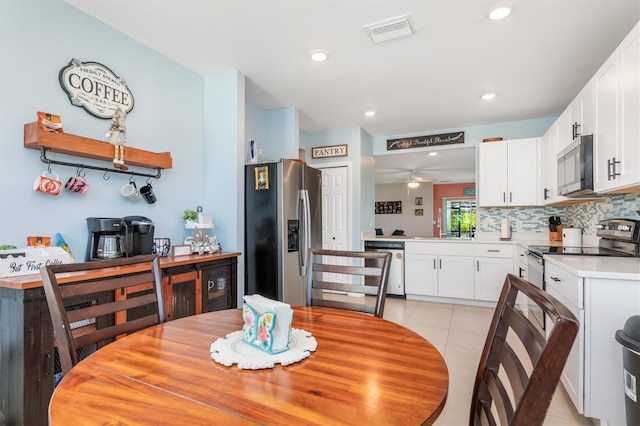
(117, 135)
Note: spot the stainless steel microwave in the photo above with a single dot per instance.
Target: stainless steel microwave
(575, 169)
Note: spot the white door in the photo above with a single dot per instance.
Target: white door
(335, 208)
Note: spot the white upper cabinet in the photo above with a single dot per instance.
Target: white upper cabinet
(606, 85)
(550, 165)
(630, 109)
(617, 119)
(578, 118)
(509, 173)
(565, 127)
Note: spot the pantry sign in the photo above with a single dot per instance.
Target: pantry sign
(330, 151)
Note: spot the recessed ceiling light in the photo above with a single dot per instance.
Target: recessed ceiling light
(370, 113)
(318, 56)
(488, 96)
(433, 153)
(499, 12)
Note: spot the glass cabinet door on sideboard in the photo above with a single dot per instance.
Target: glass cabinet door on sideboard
(202, 287)
(219, 285)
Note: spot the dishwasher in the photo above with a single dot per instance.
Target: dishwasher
(396, 272)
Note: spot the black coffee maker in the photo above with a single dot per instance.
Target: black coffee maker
(138, 235)
(106, 238)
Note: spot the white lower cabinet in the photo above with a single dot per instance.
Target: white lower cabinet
(593, 374)
(459, 270)
(420, 274)
(439, 269)
(492, 264)
(568, 289)
(455, 277)
(520, 269)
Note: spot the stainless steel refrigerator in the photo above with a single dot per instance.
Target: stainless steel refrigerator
(283, 219)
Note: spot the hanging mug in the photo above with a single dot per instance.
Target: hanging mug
(147, 193)
(77, 184)
(130, 191)
(48, 183)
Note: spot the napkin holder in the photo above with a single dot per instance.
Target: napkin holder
(267, 324)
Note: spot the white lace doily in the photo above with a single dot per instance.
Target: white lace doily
(232, 350)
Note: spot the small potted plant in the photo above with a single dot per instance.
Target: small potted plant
(190, 216)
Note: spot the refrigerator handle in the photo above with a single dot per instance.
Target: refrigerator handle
(306, 230)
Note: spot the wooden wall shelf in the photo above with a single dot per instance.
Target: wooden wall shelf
(66, 143)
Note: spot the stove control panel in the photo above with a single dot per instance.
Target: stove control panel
(619, 229)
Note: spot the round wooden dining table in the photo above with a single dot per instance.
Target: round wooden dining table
(365, 370)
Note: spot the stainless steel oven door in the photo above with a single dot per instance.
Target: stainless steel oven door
(535, 271)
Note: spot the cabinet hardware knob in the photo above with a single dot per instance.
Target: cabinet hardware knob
(555, 279)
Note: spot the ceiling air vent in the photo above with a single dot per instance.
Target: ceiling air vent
(390, 29)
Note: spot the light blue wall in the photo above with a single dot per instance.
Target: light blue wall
(39, 38)
(277, 130)
(473, 135)
(367, 182)
(223, 158)
(282, 137)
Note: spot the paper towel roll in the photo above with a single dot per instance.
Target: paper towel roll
(505, 229)
(571, 237)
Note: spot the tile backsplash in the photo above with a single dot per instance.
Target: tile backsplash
(536, 219)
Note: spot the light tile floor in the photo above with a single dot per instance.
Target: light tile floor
(459, 332)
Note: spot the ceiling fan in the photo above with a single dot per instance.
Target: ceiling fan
(415, 177)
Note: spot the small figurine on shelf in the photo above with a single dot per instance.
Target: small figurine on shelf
(117, 135)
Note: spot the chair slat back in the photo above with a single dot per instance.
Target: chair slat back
(93, 303)
(519, 368)
(355, 272)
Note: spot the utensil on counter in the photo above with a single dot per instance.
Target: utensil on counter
(554, 222)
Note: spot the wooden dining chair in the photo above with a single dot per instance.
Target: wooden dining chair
(362, 273)
(519, 367)
(93, 303)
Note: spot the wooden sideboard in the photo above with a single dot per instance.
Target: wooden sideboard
(191, 284)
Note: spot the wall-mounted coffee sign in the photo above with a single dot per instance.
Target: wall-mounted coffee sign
(95, 88)
(425, 141)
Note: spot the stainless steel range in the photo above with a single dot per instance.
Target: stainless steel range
(618, 237)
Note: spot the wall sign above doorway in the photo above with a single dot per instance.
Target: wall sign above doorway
(95, 88)
(330, 151)
(425, 141)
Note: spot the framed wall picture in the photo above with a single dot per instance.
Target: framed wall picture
(388, 207)
(419, 212)
(418, 201)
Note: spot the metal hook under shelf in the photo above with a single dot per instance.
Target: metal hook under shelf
(44, 159)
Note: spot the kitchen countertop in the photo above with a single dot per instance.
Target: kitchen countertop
(24, 282)
(523, 242)
(607, 267)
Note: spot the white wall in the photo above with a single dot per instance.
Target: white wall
(412, 225)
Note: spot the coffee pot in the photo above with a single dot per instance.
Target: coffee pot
(109, 246)
(105, 238)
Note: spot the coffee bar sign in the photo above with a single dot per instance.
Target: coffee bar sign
(95, 88)
(330, 151)
(425, 141)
